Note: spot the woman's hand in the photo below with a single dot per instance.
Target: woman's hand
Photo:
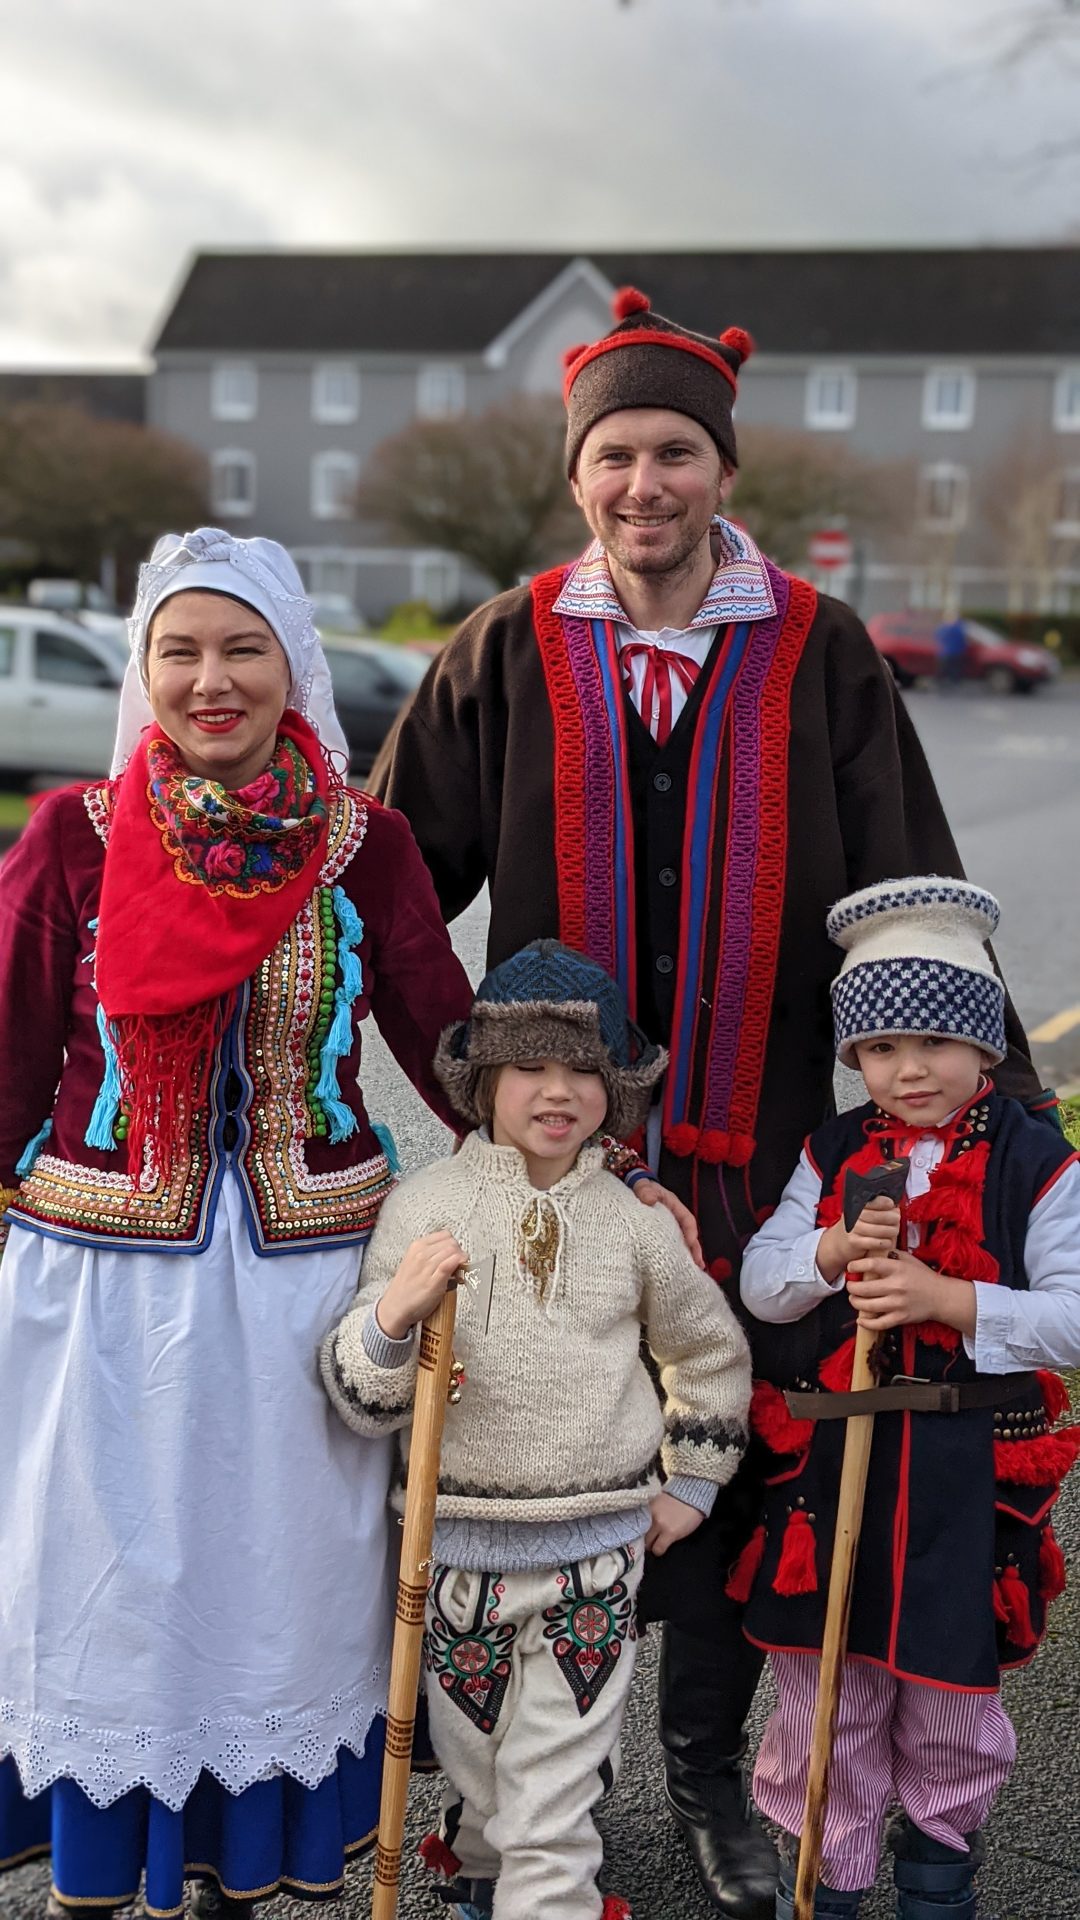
(651, 1193)
(898, 1290)
(672, 1520)
(876, 1231)
(419, 1283)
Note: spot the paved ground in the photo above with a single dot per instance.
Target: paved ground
(1010, 773)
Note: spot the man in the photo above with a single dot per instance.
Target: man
(676, 757)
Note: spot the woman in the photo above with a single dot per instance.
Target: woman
(193, 1551)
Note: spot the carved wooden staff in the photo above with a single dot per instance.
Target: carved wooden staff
(888, 1180)
(433, 1388)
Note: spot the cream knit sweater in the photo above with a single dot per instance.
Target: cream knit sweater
(558, 1416)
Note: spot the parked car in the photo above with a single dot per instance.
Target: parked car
(372, 681)
(59, 692)
(908, 642)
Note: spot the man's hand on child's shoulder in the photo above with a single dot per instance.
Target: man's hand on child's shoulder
(419, 1283)
(875, 1232)
(898, 1290)
(653, 1194)
(672, 1520)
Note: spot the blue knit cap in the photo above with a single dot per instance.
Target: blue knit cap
(550, 1003)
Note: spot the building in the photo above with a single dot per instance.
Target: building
(957, 369)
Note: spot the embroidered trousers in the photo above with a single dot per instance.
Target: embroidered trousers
(944, 1756)
(527, 1681)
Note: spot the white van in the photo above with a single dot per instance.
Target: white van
(59, 695)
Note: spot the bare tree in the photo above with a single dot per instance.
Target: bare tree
(1031, 508)
(790, 484)
(490, 488)
(76, 490)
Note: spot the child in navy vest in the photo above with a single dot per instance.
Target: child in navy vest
(974, 1309)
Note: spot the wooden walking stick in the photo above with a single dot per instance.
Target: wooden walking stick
(437, 1380)
(890, 1182)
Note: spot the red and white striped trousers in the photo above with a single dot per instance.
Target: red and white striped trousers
(945, 1757)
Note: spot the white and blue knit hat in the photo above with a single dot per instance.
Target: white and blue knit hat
(915, 961)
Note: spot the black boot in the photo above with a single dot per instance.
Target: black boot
(933, 1882)
(209, 1903)
(828, 1905)
(704, 1699)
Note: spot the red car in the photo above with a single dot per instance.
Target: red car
(908, 642)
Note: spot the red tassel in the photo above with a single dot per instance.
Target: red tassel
(437, 1856)
(1052, 1575)
(1041, 1462)
(959, 1255)
(574, 353)
(1001, 1611)
(797, 1572)
(1055, 1394)
(739, 341)
(745, 1570)
(720, 1269)
(934, 1333)
(628, 300)
(773, 1424)
(720, 1148)
(1017, 1604)
(615, 1908)
(835, 1372)
(682, 1139)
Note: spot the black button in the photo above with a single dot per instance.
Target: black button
(662, 782)
(667, 876)
(664, 963)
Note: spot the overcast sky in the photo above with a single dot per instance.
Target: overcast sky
(133, 134)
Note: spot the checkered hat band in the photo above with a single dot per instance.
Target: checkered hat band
(918, 996)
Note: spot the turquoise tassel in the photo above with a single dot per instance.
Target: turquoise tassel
(107, 1105)
(388, 1144)
(25, 1163)
(340, 1118)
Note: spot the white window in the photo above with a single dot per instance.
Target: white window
(333, 485)
(436, 578)
(440, 391)
(1067, 522)
(830, 397)
(944, 493)
(949, 397)
(335, 391)
(232, 482)
(234, 390)
(1067, 400)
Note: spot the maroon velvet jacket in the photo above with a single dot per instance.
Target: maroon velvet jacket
(300, 1190)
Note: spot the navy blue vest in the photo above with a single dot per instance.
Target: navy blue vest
(943, 1525)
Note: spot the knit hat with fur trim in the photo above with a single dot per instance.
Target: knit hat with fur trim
(916, 962)
(549, 1003)
(647, 361)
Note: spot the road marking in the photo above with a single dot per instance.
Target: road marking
(1054, 1028)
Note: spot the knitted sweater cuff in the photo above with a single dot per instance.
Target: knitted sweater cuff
(692, 1491)
(380, 1349)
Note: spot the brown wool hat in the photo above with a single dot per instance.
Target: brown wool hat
(647, 361)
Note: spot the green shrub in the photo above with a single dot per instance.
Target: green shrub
(414, 620)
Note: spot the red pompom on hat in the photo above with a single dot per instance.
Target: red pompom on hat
(628, 300)
(574, 353)
(739, 341)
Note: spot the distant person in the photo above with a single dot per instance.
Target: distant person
(673, 755)
(971, 1283)
(951, 639)
(549, 1495)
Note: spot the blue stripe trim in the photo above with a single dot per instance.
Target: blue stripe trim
(710, 722)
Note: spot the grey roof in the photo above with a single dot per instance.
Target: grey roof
(110, 396)
(945, 301)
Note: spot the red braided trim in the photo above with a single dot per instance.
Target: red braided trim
(771, 871)
(569, 730)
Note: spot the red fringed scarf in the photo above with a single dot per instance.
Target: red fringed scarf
(199, 886)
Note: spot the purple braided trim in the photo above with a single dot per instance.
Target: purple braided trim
(599, 773)
(740, 863)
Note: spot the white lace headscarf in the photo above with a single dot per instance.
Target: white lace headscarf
(261, 575)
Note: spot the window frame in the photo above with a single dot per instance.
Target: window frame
(441, 370)
(221, 407)
(221, 457)
(841, 418)
(959, 422)
(929, 476)
(1065, 526)
(1068, 380)
(321, 463)
(335, 412)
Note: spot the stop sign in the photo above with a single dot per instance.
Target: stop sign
(829, 547)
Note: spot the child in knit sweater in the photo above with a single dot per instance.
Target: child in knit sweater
(971, 1283)
(549, 1492)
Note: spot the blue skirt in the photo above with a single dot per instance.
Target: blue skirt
(276, 1836)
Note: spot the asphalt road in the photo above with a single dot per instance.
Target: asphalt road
(1009, 771)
